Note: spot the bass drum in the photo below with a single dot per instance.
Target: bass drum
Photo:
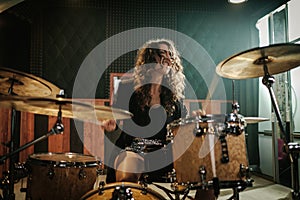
(122, 190)
(62, 176)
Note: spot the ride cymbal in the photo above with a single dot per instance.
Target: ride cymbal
(24, 84)
(250, 64)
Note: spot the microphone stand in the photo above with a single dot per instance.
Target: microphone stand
(8, 192)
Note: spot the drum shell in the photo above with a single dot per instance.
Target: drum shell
(138, 192)
(52, 177)
(189, 157)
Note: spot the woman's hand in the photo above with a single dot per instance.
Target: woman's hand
(109, 125)
(198, 112)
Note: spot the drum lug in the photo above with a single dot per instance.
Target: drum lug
(51, 172)
(233, 124)
(82, 174)
(122, 193)
(202, 172)
(101, 188)
(198, 130)
(225, 155)
(244, 171)
(99, 169)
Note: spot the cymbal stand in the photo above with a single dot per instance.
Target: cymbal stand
(268, 81)
(7, 185)
(9, 193)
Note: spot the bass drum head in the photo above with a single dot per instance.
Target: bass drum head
(138, 193)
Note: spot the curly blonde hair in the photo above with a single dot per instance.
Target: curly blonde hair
(173, 82)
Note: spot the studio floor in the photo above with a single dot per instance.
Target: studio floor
(261, 189)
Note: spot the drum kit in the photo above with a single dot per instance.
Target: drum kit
(213, 163)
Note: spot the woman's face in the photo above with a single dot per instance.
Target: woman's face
(163, 59)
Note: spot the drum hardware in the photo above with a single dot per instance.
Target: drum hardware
(82, 174)
(203, 181)
(294, 149)
(244, 171)
(123, 191)
(233, 123)
(56, 129)
(224, 149)
(51, 172)
(264, 62)
(177, 191)
(101, 187)
(198, 131)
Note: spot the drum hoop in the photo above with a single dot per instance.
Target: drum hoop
(34, 158)
(210, 118)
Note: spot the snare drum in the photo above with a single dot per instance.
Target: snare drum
(122, 190)
(192, 151)
(60, 175)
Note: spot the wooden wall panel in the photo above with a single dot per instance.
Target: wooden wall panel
(5, 128)
(26, 134)
(93, 140)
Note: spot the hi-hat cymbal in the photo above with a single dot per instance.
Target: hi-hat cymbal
(250, 64)
(24, 84)
(253, 120)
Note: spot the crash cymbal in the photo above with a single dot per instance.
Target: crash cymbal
(51, 106)
(25, 84)
(250, 64)
(74, 109)
(15, 102)
(253, 120)
(70, 108)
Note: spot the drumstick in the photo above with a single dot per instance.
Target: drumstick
(211, 90)
(211, 138)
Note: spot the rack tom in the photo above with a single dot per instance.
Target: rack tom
(198, 159)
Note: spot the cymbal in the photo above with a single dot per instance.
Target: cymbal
(51, 106)
(253, 120)
(250, 64)
(25, 84)
(105, 112)
(70, 108)
(76, 109)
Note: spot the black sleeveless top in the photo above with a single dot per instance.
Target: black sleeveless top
(147, 123)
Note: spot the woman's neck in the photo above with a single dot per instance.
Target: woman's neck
(155, 94)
